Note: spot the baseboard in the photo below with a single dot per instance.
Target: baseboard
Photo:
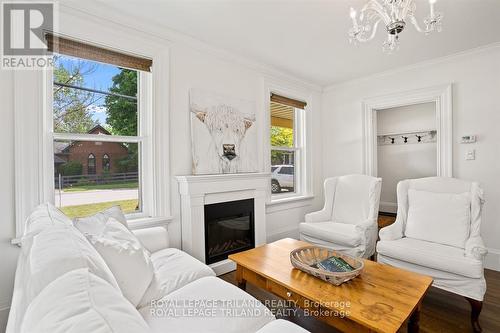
(381, 213)
(223, 267)
(492, 260)
(389, 207)
(288, 232)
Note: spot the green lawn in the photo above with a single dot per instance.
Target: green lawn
(128, 206)
(89, 187)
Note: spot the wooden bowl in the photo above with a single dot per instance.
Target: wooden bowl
(305, 257)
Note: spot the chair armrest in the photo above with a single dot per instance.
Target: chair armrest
(369, 223)
(392, 232)
(319, 216)
(153, 239)
(474, 247)
(368, 231)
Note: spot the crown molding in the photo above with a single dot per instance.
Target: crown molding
(415, 66)
(167, 35)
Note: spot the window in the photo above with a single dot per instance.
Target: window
(91, 164)
(96, 116)
(36, 140)
(106, 163)
(286, 149)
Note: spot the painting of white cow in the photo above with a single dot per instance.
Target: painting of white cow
(223, 132)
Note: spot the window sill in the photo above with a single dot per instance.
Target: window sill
(276, 205)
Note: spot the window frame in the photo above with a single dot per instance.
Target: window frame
(302, 123)
(89, 157)
(106, 162)
(33, 155)
(142, 139)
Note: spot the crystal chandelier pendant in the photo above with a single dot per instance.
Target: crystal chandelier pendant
(395, 15)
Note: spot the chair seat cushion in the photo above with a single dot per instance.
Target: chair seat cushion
(173, 269)
(339, 233)
(207, 305)
(437, 256)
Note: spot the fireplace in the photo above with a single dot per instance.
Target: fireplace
(229, 228)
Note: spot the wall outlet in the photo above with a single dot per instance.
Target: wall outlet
(468, 139)
(471, 155)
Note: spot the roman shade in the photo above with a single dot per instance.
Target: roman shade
(81, 50)
(288, 101)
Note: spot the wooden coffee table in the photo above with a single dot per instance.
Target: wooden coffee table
(381, 299)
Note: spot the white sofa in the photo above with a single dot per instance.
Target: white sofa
(62, 284)
(348, 220)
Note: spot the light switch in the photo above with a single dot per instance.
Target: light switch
(471, 155)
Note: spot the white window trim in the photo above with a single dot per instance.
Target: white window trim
(33, 124)
(303, 176)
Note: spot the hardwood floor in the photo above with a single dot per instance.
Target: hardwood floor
(385, 220)
(442, 312)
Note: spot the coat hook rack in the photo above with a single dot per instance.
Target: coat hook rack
(415, 137)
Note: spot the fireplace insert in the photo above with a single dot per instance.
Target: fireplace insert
(229, 228)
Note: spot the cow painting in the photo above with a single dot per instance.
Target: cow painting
(223, 134)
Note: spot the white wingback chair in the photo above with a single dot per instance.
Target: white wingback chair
(437, 233)
(348, 221)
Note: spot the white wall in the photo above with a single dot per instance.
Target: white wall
(398, 161)
(189, 67)
(476, 86)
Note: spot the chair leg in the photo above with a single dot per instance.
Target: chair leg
(476, 307)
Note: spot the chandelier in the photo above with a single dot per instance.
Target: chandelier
(394, 14)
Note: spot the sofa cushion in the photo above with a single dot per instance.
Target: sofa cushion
(125, 256)
(437, 256)
(95, 224)
(79, 301)
(207, 305)
(442, 218)
(281, 326)
(173, 269)
(44, 257)
(338, 233)
(44, 216)
(56, 251)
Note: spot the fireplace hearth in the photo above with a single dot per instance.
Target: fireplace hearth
(229, 228)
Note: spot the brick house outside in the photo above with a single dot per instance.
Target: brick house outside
(96, 158)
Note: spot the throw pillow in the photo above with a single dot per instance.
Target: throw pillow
(442, 218)
(127, 259)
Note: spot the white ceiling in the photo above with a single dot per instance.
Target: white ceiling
(308, 38)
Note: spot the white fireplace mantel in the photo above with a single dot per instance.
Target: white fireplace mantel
(198, 191)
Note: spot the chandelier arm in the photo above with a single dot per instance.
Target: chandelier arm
(372, 35)
(375, 6)
(416, 25)
(407, 8)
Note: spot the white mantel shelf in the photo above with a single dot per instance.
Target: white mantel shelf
(203, 184)
(199, 190)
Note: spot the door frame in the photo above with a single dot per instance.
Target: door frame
(440, 95)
